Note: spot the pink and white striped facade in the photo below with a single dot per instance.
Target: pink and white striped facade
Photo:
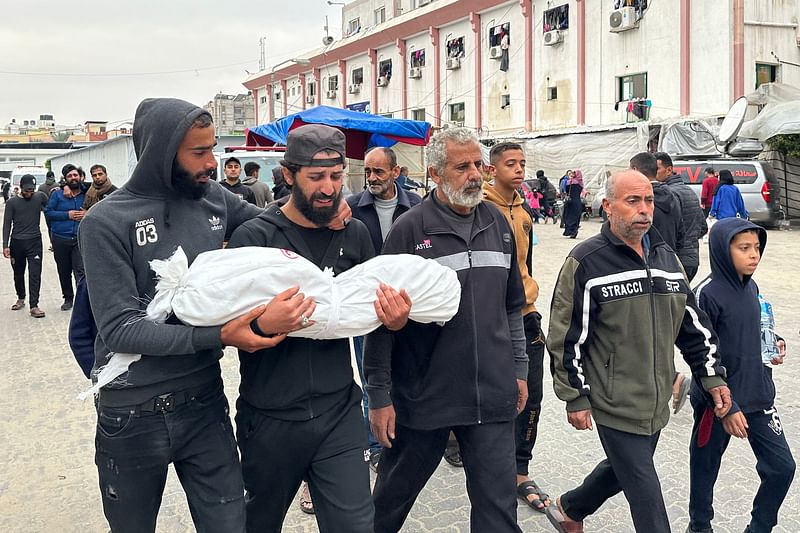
(698, 56)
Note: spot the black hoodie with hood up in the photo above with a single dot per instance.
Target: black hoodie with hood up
(667, 216)
(144, 220)
(731, 304)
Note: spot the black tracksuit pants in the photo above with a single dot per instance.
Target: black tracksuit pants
(527, 422)
(487, 451)
(27, 252)
(327, 451)
(774, 464)
(68, 262)
(628, 467)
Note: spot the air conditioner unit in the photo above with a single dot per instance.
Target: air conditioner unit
(421, 3)
(310, 99)
(354, 88)
(495, 52)
(383, 81)
(453, 63)
(623, 19)
(415, 73)
(331, 95)
(552, 37)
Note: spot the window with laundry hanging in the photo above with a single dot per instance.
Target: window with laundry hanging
(417, 58)
(496, 34)
(357, 76)
(455, 48)
(632, 91)
(333, 83)
(385, 69)
(556, 18)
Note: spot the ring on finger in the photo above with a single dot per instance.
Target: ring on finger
(304, 321)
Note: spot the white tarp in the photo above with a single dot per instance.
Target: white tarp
(780, 114)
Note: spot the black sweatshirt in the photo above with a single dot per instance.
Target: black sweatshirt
(25, 217)
(732, 305)
(300, 379)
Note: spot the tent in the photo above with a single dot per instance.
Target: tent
(363, 130)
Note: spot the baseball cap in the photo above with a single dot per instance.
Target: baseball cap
(303, 143)
(27, 182)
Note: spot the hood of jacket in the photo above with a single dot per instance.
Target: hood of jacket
(719, 244)
(665, 199)
(491, 194)
(158, 129)
(249, 180)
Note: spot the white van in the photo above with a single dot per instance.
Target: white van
(40, 173)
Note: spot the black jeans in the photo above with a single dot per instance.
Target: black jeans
(68, 263)
(774, 464)
(27, 252)
(134, 449)
(628, 468)
(487, 451)
(527, 422)
(327, 451)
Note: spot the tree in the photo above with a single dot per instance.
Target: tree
(788, 145)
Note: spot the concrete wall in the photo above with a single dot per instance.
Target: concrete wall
(390, 98)
(768, 29)
(496, 82)
(556, 66)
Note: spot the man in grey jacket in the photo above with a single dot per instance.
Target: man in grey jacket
(694, 221)
(169, 407)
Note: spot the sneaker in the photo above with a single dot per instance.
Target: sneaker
(374, 459)
(19, 304)
(67, 305)
(36, 312)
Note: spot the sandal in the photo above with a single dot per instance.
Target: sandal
(18, 305)
(560, 521)
(306, 505)
(452, 454)
(530, 488)
(683, 391)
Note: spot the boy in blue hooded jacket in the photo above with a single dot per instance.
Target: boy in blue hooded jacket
(730, 298)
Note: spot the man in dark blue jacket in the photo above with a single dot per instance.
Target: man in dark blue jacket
(378, 207)
(65, 211)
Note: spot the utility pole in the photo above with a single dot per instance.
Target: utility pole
(262, 61)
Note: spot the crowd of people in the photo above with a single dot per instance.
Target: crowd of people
(469, 389)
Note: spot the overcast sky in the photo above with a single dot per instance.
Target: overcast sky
(95, 60)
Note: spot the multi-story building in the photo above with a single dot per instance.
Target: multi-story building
(232, 113)
(507, 67)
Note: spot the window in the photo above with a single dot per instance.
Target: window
(496, 34)
(312, 89)
(239, 122)
(380, 15)
(417, 58)
(766, 73)
(357, 76)
(387, 115)
(277, 95)
(505, 101)
(457, 113)
(333, 83)
(418, 114)
(552, 93)
(385, 69)
(556, 18)
(632, 86)
(263, 99)
(354, 26)
(455, 47)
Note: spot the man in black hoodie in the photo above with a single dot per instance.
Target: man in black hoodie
(298, 415)
(169, 407)
(667, 216)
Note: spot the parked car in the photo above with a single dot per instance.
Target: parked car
(754, 178)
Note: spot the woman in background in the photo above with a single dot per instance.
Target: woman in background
(728, 201)
(573, 206)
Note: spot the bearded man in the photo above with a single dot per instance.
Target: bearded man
(467, 375)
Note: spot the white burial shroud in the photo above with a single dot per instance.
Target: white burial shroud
(221, 285)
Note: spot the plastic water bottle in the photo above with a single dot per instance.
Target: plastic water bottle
(769, 342)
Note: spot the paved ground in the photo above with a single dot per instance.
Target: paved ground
(48, 482)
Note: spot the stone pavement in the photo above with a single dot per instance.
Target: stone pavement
(48, 482)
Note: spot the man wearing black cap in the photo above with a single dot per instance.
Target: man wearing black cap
(21, 225)
(233, 169)
(298, 414)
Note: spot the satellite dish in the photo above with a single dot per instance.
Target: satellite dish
(327, 40)
(733, 121)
